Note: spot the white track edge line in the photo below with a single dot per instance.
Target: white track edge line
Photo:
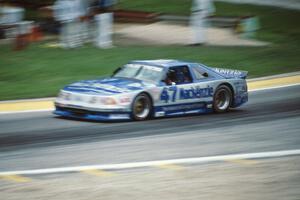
(270, 154)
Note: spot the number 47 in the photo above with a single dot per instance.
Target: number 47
(165, 96)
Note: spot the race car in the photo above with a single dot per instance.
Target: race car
(144, 89)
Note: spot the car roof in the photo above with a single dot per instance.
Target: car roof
(165, 63)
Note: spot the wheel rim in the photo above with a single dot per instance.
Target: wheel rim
(222, 99)
(141, 107)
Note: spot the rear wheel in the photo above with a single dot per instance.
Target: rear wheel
(222, 99)
(142, 107)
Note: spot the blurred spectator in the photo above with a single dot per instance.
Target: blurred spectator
(201, 10)
(248, 26)
(106, 5)
(68, 13)
(83, 7)
(104, 29)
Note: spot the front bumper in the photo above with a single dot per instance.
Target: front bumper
(82, 113)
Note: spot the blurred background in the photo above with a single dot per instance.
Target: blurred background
(46, 44)
(52, 43)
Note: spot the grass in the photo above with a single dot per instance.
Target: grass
(40, 72)
(181, 7)
(278, 25)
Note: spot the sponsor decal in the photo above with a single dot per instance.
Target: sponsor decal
(118, 116)
(93, 100)
(240, 88)
(159, 114)
(170, 93)
(196, 92)
(183, 107)
(230, 72)
(124, 99)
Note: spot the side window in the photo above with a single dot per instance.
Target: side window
(179, 75)
(198, 74)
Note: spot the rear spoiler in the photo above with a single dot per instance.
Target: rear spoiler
(230, 73)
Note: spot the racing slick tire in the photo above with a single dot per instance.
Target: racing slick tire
(222, 99)
(142, 107)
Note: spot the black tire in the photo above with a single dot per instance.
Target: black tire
(222, 99)
(141, 107)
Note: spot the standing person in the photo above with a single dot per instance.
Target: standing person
(83, 6)
(104, 24)
(201, 10)
(106, 5)
(67, 12)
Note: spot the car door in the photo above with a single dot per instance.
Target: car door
(182, 93)
(204, 82)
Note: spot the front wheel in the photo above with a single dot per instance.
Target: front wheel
(222, 99)
(141, 107)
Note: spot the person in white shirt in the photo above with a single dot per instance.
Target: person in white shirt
(68, 13)
(201, 10)
(84, 24)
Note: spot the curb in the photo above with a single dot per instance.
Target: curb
(274, 76)
(28, 100)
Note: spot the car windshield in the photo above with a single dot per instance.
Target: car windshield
(141, 72)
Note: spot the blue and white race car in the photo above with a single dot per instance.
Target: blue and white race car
(143, 89)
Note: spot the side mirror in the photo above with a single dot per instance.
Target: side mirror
(205, 74)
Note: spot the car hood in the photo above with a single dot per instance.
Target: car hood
(107, 86)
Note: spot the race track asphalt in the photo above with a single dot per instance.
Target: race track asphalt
(270, 121)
